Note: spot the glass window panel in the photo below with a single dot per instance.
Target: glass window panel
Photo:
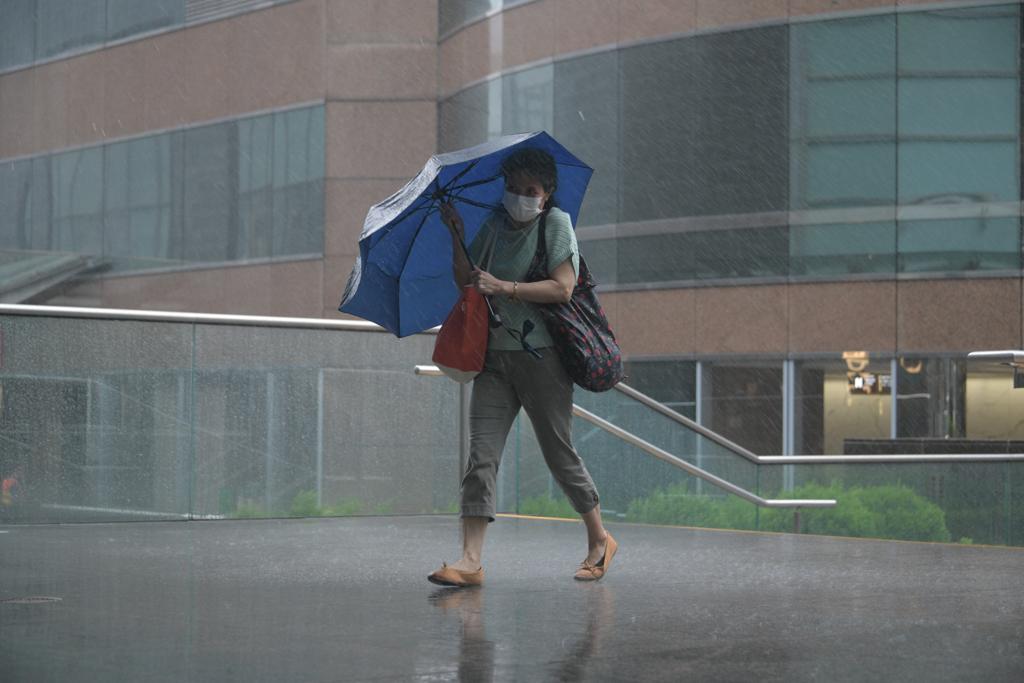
(844, 48)
(863, 107)
(959, 244)
(259, 431)
(930, 392)
(602, 258)
(842, 249)
(743, 403)
(454, 13)
(831, 407)
(138, 231)
(125, 17)
(17, 32)
(77, 196)
(16, 204)
(63, 25)
(835, 175)
(464, 117)
(658, 119)
(97, 414)
(959, 107)
(298, 182)
(741, 143)
(695, 144)
(586, 121)
(298, 146)
(958, 104)
(656, 258)
(958, 171)
(671, 382)
(256, 186)
(677, 388)
(42, 205)
(964, 40)
(527, 103)
(843, 113)
(741, 253)
(211, 199)
(992, 406)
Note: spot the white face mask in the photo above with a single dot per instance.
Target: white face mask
(522, 208)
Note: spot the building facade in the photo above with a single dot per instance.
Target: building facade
(804, 213)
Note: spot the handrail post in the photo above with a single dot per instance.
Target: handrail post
(796, 520)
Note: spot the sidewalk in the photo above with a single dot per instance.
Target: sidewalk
(347, 600)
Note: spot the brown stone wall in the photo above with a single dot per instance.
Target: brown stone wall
(221, 69)
(909, 316)
(381, 117)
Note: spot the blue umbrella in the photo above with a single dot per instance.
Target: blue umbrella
(402, 279)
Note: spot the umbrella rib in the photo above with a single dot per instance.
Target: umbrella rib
(474, 183)
(461, 173)
(473, 202)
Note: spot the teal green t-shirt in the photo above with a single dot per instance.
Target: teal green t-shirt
(513, 252)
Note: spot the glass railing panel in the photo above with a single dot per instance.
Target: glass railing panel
(308, 422)
(633, 485)
(980, 502)
(669, 435)
(95, 419)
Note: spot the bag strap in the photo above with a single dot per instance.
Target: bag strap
(538, 269)
(539, 266)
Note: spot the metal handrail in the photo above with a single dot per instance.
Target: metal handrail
(198, 318)
(365, 326)
(664, 455)
(811, 459)
(657, 406)
(661, 454)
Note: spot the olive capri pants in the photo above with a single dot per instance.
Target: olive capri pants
(510, 380)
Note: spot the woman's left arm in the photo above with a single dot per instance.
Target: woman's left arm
(557, 289)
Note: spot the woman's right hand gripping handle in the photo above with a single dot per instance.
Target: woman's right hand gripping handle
(460, 264)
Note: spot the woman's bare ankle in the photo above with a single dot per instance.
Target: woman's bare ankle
(466, 564)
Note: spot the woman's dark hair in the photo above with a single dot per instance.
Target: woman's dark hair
(535, 163)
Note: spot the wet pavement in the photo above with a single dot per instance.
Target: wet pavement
(347, 600)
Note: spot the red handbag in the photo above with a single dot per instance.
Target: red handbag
(462, 341)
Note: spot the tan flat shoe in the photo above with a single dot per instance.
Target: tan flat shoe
(448, 576)
(593, 572)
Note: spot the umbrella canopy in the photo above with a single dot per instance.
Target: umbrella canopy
(402, 279)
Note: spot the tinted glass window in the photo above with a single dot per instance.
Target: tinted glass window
(125, 17)
(77, 202)
(17, 32)
(63, 25)
(586, 120)
(139, 227)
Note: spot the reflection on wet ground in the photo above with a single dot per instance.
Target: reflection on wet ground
(348, 600)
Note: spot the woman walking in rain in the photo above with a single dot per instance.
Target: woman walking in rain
(512, 377)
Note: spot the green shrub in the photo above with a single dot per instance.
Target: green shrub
(344, 507)
(451, 509)
(904, 514)
(385, 508)
(304, 505)
(873, 512)
(675, 505)
(248, 512)
(850, 517)
(543, 506)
